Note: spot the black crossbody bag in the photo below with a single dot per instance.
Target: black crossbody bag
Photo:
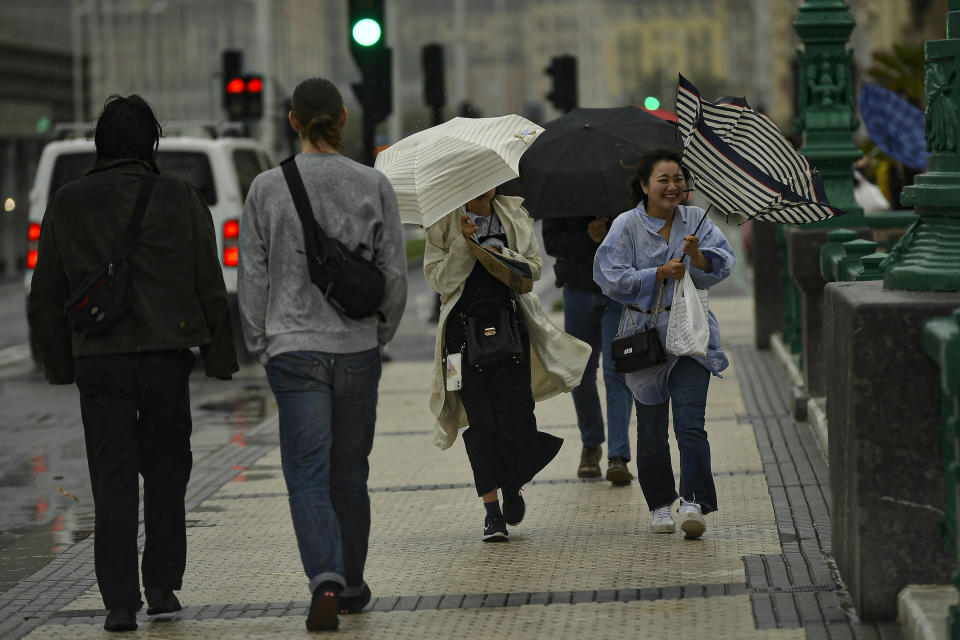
(96, 305)
(352, 283)
(639, 350)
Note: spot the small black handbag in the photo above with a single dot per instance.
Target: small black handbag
(492, 333)
(351, 282)
(639, 350)
(101, 299)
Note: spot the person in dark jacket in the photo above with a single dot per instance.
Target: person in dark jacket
(133, 380)
(592, 317)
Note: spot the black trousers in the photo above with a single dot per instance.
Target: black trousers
(502, 442)
(136, 420)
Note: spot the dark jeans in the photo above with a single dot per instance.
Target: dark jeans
(328, 409)
(136, 420)
(687, 386)
(594, 318)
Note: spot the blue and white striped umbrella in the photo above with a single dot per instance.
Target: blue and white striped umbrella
(743, 164)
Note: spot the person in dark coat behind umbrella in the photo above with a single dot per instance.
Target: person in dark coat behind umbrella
(592, 317)
(133, 380)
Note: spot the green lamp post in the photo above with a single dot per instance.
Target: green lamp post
(825, 112)
(927, 258)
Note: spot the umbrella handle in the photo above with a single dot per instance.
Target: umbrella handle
(710, 206)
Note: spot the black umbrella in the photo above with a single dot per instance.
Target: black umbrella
(582, 164)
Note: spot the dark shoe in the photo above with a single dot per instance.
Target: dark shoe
(495, 530)
(590, 462)
(121, 620)
(323, 609)
(617, 471)
(353, 604)
(161, 601)
(513, 507)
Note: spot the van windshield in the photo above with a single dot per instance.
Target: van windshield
(192, 166)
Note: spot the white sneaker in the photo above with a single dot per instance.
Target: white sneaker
(691, 519)
(663, 521)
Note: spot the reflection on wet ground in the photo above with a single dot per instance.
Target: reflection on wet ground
(45, 499)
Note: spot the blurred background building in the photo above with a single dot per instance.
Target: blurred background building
(62, 59)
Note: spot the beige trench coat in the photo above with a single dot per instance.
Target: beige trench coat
(557, 359)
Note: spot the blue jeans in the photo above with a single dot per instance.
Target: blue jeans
(687, 384)
(593, 318)
(328, 406)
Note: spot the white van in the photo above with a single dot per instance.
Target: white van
(221, 168)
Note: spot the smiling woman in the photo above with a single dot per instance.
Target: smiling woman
(632, 266)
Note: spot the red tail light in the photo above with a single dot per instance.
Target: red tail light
(33, 239)
(231, 236)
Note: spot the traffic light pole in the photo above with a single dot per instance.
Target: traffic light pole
(369, 129)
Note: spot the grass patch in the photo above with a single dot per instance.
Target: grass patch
(415, 248)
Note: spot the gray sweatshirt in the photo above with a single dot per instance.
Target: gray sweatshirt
(280, 308)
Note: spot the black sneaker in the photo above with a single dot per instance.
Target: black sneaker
(161, 601)
(121, 620)
(324, 605)
(495, 530)
(354, 604)
(513, 507)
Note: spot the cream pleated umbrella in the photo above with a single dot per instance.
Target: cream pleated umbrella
(439, 169)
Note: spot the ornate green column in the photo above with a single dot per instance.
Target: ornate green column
(927, 258)
(941, 341)
(825, 111)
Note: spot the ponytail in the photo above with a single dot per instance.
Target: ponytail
(318, 106)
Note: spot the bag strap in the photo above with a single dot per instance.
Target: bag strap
(656, 310)
(302, 202)
(139, 209)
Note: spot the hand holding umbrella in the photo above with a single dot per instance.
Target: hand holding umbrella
(691, 247)
(467, 227)
(597, 229)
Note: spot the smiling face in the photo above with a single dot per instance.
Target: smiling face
(665, 188)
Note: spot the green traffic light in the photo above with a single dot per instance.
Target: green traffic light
(651, 104)
(366, 32)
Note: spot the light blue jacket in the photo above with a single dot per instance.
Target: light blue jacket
(625, 268)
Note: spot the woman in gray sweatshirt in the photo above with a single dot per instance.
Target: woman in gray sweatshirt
(323, 367)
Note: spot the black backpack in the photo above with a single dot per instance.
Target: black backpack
(96, 305)
(351, 282)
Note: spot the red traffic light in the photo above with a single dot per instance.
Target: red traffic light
(254, 84)
(236, 85)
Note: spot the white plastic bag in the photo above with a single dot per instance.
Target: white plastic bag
(688, 331)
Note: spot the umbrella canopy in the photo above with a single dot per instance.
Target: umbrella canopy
(582, 164)
(895, 125)
(743, 164)
(441, 168)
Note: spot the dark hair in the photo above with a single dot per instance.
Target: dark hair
(317, 105)
(127, 128)
(645, 168)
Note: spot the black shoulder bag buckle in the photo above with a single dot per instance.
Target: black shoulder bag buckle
(352, 283)
(96, 305)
